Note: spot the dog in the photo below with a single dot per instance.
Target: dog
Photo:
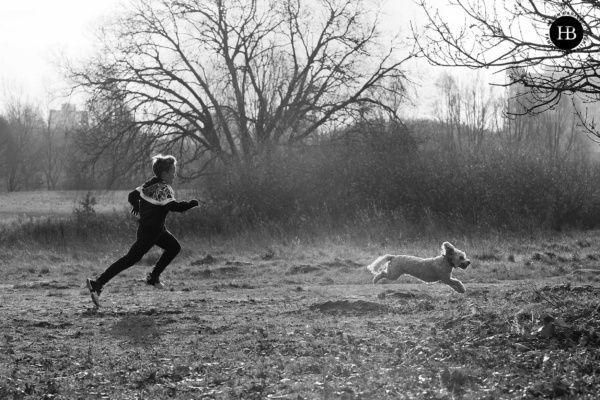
(430, 270)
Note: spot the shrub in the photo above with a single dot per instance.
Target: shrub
(86, 208)
(496, 187)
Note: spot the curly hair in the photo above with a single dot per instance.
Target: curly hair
(162, 164)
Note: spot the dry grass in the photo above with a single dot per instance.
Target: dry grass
(27, 204)
(288, 314)
(17, 205)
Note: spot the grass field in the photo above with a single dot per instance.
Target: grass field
(292, 315)
(15, 205)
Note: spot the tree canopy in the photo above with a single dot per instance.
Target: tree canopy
(225, 79)
(514, 36)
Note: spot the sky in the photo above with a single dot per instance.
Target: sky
(33, 32)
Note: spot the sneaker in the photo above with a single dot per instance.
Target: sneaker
(154, 282)
(95, 291)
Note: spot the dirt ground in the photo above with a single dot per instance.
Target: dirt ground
(204, 340)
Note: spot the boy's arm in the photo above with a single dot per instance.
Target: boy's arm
(134, 200)
(182, 206)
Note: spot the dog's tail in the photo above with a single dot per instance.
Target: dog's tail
(379, 264)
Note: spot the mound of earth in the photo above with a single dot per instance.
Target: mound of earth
(301, 269)
(138, 329)
(343, 263)
(347, 306)
(208, 260)
(227, 270)
(396, 294)
(41, 285)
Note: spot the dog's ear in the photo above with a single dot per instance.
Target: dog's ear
(447, 249)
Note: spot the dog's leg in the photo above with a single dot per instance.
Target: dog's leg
(455, 284)
(380, 276)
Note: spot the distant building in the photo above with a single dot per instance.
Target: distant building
(66, 119)
(549, 73)
(564, 111)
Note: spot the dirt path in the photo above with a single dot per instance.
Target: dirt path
(269, 342)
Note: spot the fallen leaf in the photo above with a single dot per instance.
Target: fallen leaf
(521, 347)
(547, 331)
(560, 322)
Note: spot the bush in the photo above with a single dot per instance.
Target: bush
(506, 188)
(86, 209)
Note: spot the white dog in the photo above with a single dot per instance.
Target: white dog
(436, 269)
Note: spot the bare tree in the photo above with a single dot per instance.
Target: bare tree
(231, 78)
(54, 136)
(447, 109)
(555, 131)
(513, 36)
(6, 145)
(467, 111)
(52, 156)
(21, 145)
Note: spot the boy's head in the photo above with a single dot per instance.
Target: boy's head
(164, 167)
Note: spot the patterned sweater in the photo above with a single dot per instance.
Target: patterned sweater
(153, 201)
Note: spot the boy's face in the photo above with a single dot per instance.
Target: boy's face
(169, 176)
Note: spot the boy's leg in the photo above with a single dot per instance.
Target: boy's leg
(95, 291)
(143, 244)
(171, 248)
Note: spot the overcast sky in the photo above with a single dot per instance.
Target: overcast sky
(32, 32)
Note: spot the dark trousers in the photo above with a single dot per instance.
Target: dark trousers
(146, 239)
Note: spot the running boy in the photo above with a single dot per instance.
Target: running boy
(152, 202)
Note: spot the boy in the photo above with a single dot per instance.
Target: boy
(152, 202)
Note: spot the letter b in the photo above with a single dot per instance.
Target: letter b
(569, 32)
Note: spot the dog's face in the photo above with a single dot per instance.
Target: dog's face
(456, 258)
